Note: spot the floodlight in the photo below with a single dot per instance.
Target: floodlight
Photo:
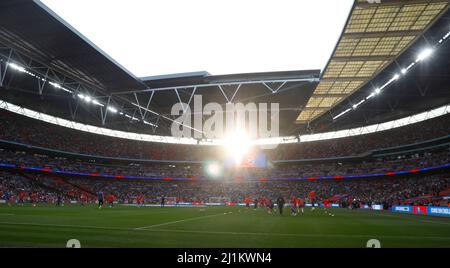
(17, 67)
(56, 85)
(213, 169)
(97, 103)
(112, 109)
(150, 124)
(424, 54)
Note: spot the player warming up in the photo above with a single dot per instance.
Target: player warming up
(294, 208)
(280, 204)
(100, 200)
(111, 200)
(269, 205)
(300, 206)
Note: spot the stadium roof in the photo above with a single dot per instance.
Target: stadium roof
(32, 28)
(418, 89)
(72, 62)
(374, 36)
(41, 37)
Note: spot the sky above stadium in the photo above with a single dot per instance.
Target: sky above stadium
(160, 37)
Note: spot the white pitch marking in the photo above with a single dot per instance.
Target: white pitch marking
(297, 235)
(173, 222)
(63, 225)
(223, 233)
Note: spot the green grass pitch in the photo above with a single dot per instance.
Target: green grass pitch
(122, 226)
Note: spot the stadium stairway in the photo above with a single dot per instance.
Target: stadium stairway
(59, 185)
(36, 181)
(445, 192)
(78, 187)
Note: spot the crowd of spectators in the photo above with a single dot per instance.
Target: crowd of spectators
(20, 189)
(294, 170)
(356, 145)
(422, 190)
(90, 167)
(47, 188)
(14, 127)
(369, 166)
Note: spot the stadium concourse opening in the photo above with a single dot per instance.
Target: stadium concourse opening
(352, 150)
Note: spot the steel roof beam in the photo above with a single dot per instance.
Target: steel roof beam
(360, 35)
(256, 82)
(369, 4)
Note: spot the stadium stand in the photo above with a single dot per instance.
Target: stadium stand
(388, 191)
(290, 170)
(25, 185)
(29, 131)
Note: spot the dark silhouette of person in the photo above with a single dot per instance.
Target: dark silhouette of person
(280, 203)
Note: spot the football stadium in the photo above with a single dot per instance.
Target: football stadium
(345, 146)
